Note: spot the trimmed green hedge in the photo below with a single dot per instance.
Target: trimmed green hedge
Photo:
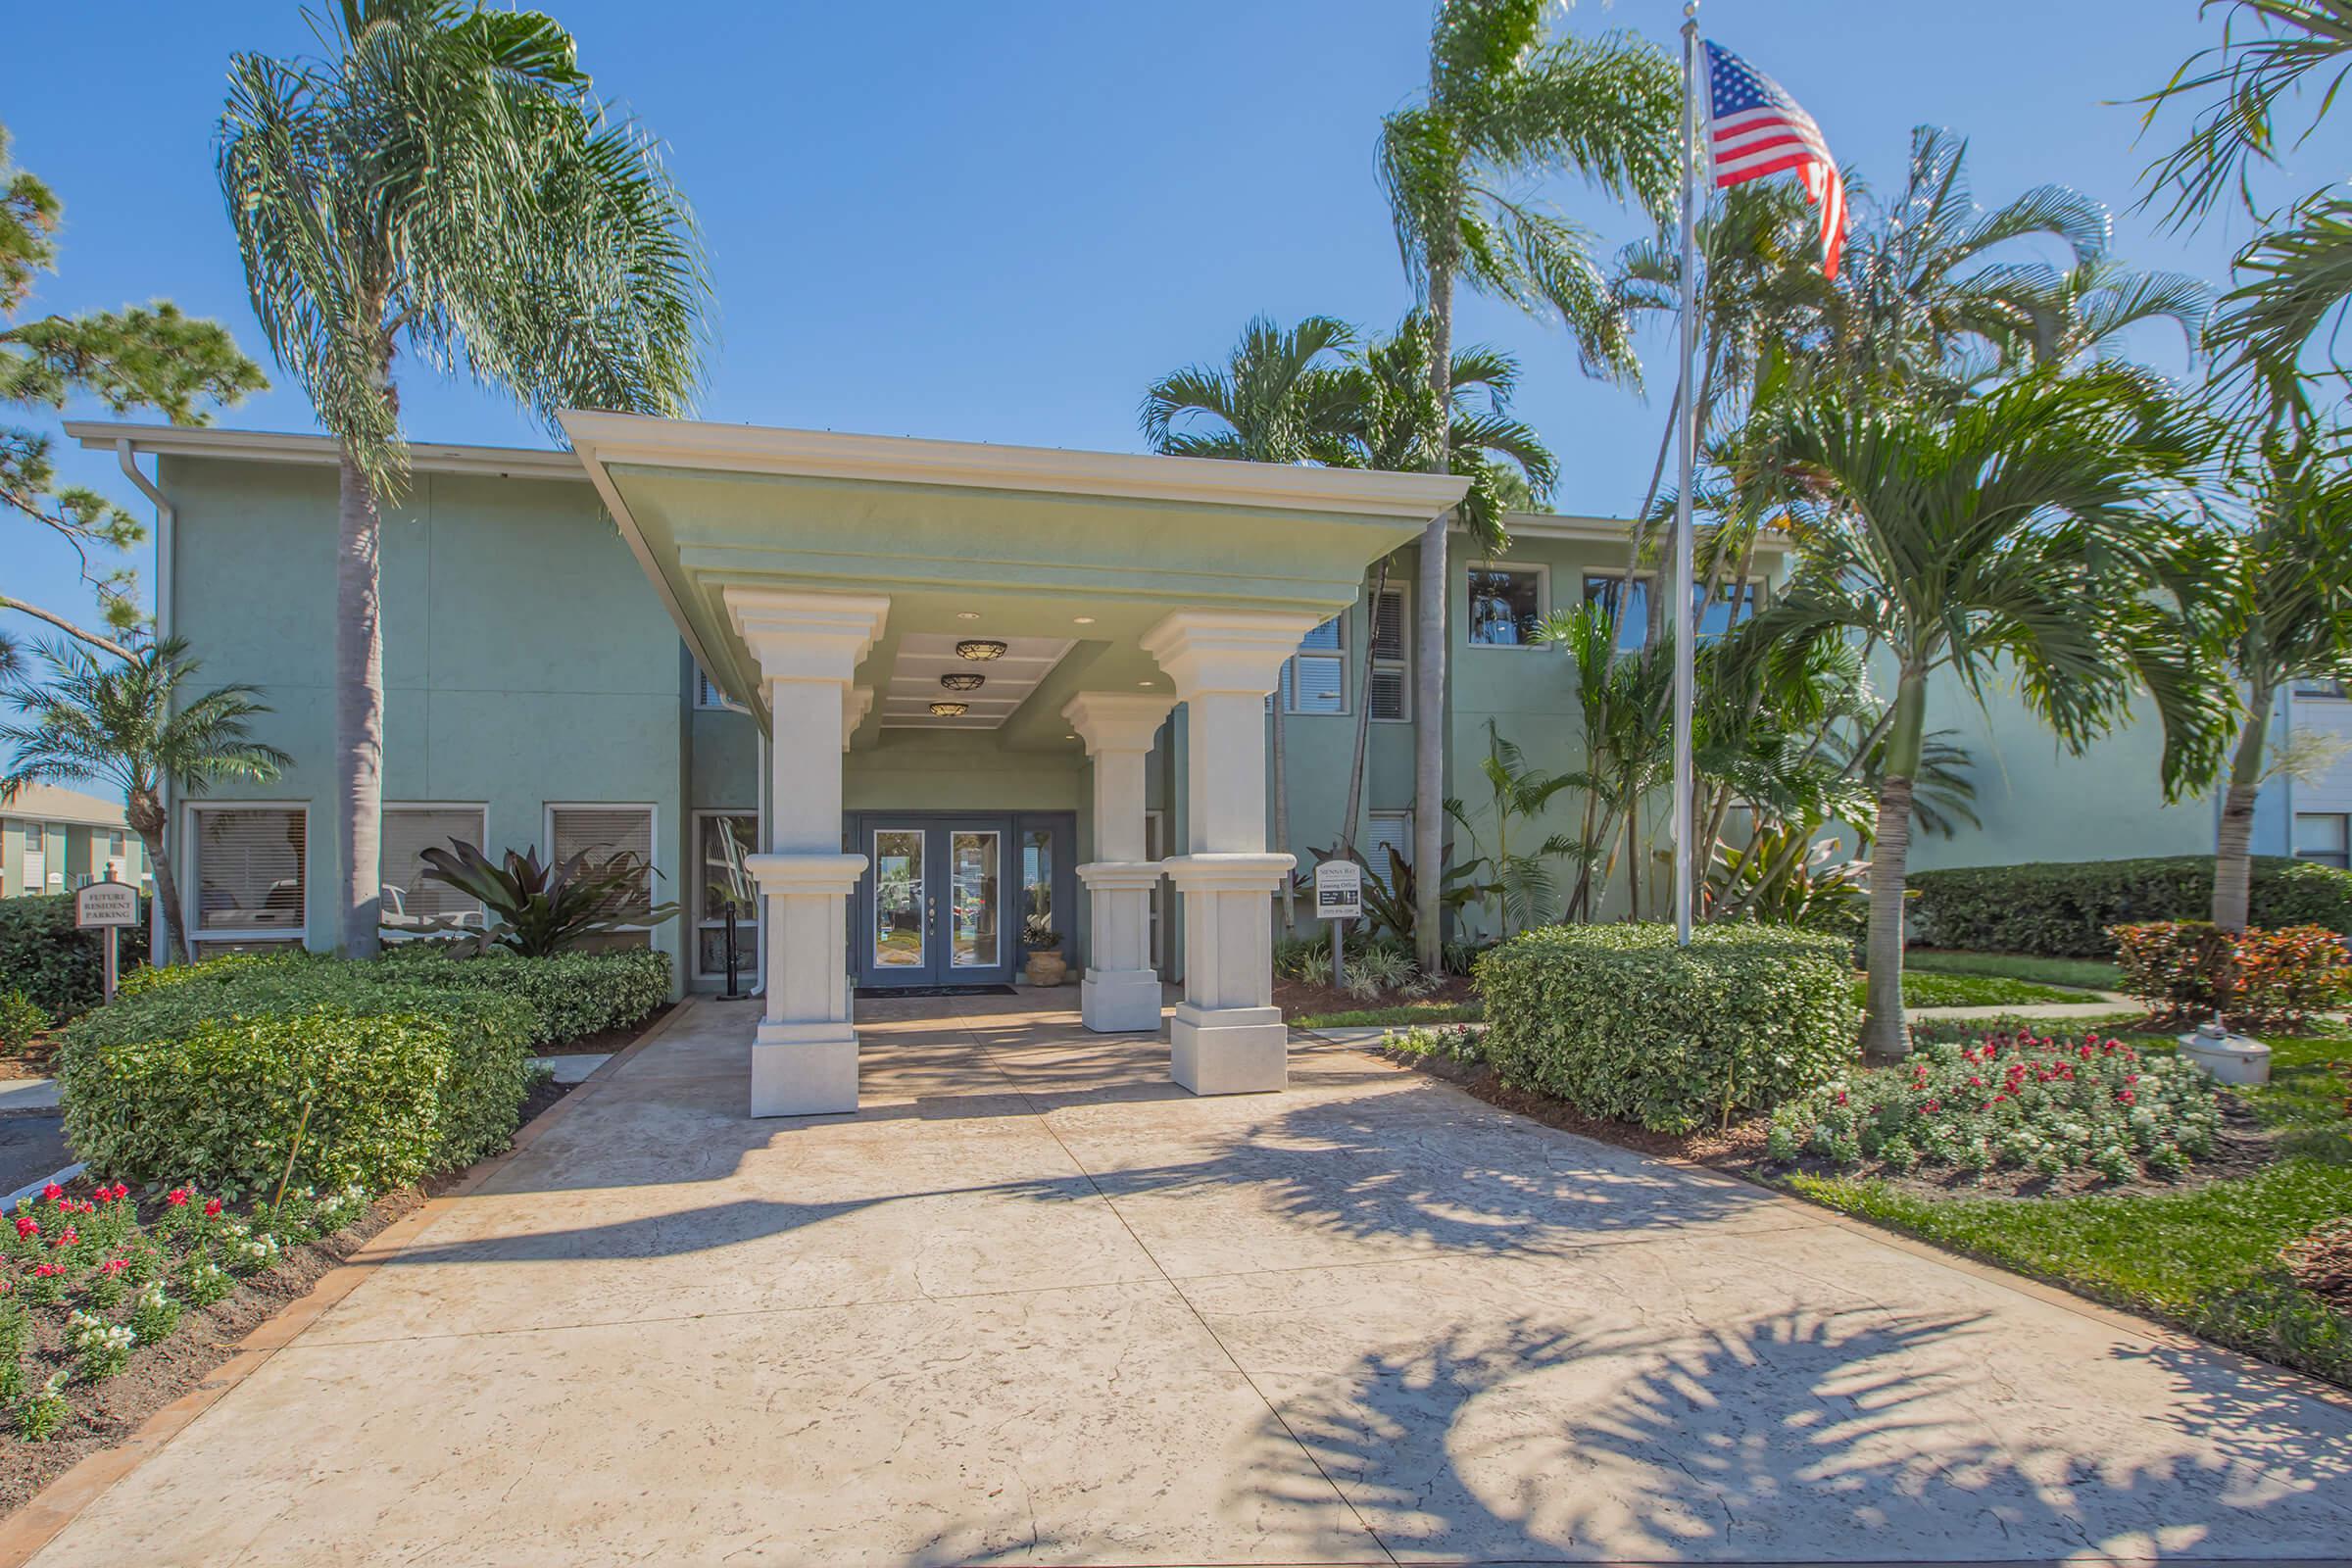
(574, 993)
(2062, 910)
(58, 966)
(1620, 1022)
(203, 1074)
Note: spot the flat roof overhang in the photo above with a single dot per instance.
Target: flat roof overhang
(979, 540)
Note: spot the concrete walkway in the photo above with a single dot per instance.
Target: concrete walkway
(1033, 1305)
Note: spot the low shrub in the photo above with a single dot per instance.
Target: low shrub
(58, 966)
(571, 994)
(20, 1020)
(2062, 910)
(2017, 1102)
(207, 1075)
(2194, 969)
(1620, 1022)
(1448, 1042)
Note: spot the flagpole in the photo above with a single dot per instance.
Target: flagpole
(1684, 614)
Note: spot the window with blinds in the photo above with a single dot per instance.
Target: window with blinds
(707, 695)
(250, 870)
(1391, 686)
(408, 832)
(601, 832)
(1315, 680)
(1385, 831)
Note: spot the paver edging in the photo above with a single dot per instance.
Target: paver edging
(2251, 1367)
(47, 1513)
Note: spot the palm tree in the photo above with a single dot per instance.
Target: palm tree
(1280, 397)
(1394, 417)
(2021, 533)
(1519, 881)
(2285, 615)
(124, 722)
(1507, 105)
(446, 181)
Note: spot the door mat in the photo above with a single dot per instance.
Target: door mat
(880, 992)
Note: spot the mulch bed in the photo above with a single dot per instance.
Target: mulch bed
(1738, 1150)
(2322, 1264)
(604, 1040)
(29, 1062)
(1299, 999)
(107, 1413)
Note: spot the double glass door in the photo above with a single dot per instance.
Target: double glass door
(937, 904)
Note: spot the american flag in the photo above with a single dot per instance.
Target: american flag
(1757, 130)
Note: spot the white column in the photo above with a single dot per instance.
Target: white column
(1122, 990)
(805, 1055)
(1228, 1037)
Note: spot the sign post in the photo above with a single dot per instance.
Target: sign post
(109, 907)
(1339, 899)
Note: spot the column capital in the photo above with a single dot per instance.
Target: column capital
(1117, 722)
(803, 636)
(1240, 651)
(858, 702)
(1228, 873)
(796, 875)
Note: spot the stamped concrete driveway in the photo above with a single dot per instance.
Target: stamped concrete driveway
(1035, 1305)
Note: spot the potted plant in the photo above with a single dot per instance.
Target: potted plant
(1046, 967)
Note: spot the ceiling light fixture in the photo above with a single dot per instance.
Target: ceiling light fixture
(1082, 620)
(968, 614)
(964, 680)
(951, 710)
(980, 650)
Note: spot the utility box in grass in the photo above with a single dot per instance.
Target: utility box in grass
(2226, 1058)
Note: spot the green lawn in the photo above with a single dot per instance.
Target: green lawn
(1975, 991)
(2088, 974)
(2205, 1257)
(1404, 1012)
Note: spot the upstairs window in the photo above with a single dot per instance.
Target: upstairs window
(1391, 686)
(1315, 679)
(1506, 607)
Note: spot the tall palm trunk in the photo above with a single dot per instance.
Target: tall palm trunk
(1364, 715)
(2232, 871)
(359, 712)
(1884, 1028)
(1633, 859)
(145, 815)
(1429, 658)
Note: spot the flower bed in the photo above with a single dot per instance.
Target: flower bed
(2038, 1105)
(86, 1280)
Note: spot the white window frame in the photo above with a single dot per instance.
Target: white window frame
(653, 838)
(481, 842)
(1403, 664)
(747, 926)
(191, 889)
(2318, 689)
(1543, 575)
(708, 699)
(2344, 821)
(1287, 691)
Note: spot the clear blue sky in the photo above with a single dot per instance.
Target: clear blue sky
(999, 222)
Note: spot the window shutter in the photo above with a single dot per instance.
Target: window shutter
(1388, 626)
(411, 830)
(601, 832)
(250, 868)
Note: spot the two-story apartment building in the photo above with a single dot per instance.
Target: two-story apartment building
(53, 840)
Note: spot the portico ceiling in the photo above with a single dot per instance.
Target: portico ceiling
(1036, 547)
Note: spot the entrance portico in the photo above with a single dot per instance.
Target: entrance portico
(998, 630)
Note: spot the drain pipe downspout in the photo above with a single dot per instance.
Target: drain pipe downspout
(159, 947)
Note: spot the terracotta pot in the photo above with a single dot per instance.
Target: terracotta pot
(1048, 969)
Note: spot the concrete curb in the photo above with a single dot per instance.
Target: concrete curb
(31, 1189)
(47, 1513)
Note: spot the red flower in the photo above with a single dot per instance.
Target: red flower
(53, 1192)
(48, 1270)
(66, 1238)
(113, 1266)
(177, 1197)
(1841, 1101)
(211, 1209)
(2125, 1095)
(1975, 1082)
(1930, 1107)
(26, 1225)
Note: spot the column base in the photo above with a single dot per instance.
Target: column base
(1120, 1001)
(803, 1069)
(1229, 1051)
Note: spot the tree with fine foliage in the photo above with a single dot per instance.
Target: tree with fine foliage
(447, 181)
(140, 356)
(1507, 105)
(132, 724)
(2026, 534)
